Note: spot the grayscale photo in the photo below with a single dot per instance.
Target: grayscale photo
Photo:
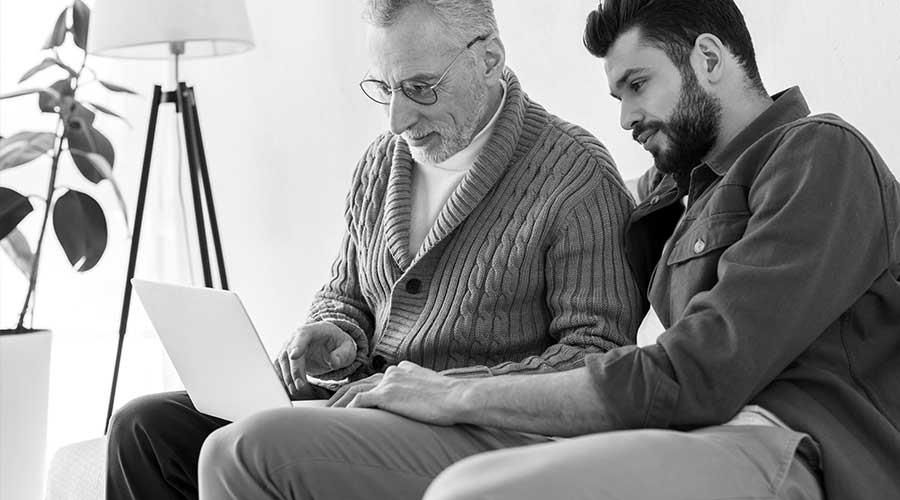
(449, 250)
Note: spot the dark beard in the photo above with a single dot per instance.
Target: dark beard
(692, 129)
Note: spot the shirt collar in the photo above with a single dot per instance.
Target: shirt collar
(464, 159)
(789, 105)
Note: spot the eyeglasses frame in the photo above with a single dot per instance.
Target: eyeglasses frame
(431, 87)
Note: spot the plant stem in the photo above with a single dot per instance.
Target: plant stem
(32, 282)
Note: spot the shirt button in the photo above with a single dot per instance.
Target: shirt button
(654, 200)
(413, 286)
(699, 246)
(378, 362)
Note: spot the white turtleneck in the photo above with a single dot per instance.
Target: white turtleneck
(433, 183)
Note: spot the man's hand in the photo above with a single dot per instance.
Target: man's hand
(346, 393)
(313, 349)
(415, 392)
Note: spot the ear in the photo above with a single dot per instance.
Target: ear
(494, 59)
(709, 57)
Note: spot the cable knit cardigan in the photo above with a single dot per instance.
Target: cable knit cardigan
(523, 271)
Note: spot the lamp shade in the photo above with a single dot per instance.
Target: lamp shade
(153, 29)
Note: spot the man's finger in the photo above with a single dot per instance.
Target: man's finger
(286, 379)
(298, 345)
(280, 364)
(276, 366)
(343, 355)
(368, 399)
(351, 393)
(366, 384)
(297, 369)
(338, 394)
(346, 397)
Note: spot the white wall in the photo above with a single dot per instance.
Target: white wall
(285, 124)
(306, 125)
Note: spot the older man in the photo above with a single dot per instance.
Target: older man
(485, 237)
(778, 284)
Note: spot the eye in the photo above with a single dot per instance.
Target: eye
(415, 88)
(637, 84)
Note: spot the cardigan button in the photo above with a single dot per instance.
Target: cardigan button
(699, 246)
(414, 286)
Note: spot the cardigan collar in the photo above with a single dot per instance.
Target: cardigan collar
(501, 150)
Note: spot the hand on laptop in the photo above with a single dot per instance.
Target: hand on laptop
(313, 349)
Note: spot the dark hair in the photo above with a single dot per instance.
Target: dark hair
(673, 26)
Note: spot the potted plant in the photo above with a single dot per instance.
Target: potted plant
(78, 222)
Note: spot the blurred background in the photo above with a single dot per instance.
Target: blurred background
(284, 126)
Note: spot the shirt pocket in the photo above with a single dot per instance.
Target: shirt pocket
(708, 237)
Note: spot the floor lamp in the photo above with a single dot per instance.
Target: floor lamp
(171, 29)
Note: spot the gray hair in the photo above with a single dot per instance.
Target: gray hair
(464, 19)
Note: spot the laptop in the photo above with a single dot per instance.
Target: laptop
(215, 350)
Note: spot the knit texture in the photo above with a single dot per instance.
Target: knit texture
(523, 271)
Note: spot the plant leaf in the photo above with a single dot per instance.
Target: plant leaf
(24, 147)
(104, 109)
(70, 108)
(48, 101)
(117, 88)
(51, 92)
(19, 251)
(13, 208)
(81, 21)
(82, 136)
(81, 229)
(104, 169)
(58, 35)
(46, 63)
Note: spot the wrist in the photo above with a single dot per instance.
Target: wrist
(464, 397)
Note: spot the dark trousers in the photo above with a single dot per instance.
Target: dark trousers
(153, 448)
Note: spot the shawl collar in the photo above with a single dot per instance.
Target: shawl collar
(490, 165)
(398, 203)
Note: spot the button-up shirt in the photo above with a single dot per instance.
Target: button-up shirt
(778, 285)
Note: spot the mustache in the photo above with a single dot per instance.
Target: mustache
(640, 128)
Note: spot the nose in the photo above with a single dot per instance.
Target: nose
(630, 116)
(402, 113)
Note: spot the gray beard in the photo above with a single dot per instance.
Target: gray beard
(455, 139)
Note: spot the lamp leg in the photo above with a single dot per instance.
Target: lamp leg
(135, 242)
(207, 190)
(183, 95)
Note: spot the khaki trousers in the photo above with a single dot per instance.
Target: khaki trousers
(321, 453)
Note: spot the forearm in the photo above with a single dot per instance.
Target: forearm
(340, 303)
(555, 404)
(556, 358)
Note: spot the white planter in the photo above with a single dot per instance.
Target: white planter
(24, 384)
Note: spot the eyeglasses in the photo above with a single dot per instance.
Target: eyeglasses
(417, 91)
